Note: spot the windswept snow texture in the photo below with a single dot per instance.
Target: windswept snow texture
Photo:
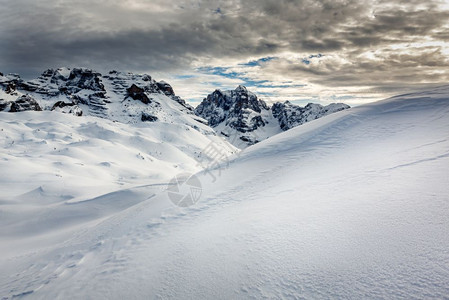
(352, 205)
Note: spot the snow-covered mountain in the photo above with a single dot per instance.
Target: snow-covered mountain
(118, 96)
(245, 120)
(236, 115)
(93, 133)
(352, 205)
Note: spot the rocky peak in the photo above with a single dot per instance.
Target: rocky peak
(23, 103)
(290, 115)
(122, 82)
(59, 76)
(165, 88)
(241, 117)
(48, 73)
(247, 100)
(241, 89)
(10, 79)
(83, 79)
(232, 107)
(85, 92)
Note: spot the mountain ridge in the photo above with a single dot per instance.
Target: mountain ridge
(244, 119)
(238, 115)
(95, 94)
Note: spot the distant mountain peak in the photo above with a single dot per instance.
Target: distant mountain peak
(244, 119)
(242, 89)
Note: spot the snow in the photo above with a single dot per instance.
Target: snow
(352, 205)
(49, 160)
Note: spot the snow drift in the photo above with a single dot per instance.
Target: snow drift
(352, 205)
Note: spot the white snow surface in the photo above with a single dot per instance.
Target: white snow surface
(352, 205)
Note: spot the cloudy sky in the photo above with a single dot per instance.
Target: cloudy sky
(301, 50)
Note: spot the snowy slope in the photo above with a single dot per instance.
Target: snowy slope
(48, 154)
(51, 162)
(352, 205)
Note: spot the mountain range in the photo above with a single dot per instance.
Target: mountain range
(237, 115)
(245, 120)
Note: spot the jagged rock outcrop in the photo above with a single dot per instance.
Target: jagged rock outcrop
(165, 88)
(234, 108)
(10, 88)
(3, 105)
(137, 93)
(82, 79)
(68, 108)
(244, 119)
(24, 103)
(9, 83)
(181, 101)
(290, 115)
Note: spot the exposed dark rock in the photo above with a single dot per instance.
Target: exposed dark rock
(3, 104)
(183, 103)
(29, 87)
(242, 116)
(202, 121)
(165, 88)
(233, 108)
(83, 79)
(59, 79)
(249, 140)
(48, 73)
(290, 115)
(62, 104)
(10, 82)
(78, 99)
(146, 77)
(257, 121)
(138, 93)
(23, 103)
(70, 108)
(98, 95)
(148, 118)
(10, 88)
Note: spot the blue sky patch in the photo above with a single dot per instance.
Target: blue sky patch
(255, 63)
(307, 60)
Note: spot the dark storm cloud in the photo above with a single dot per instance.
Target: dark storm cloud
(390, 71)
(164, 49)
(176, 35)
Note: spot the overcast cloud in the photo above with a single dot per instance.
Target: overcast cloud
(303, 50)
